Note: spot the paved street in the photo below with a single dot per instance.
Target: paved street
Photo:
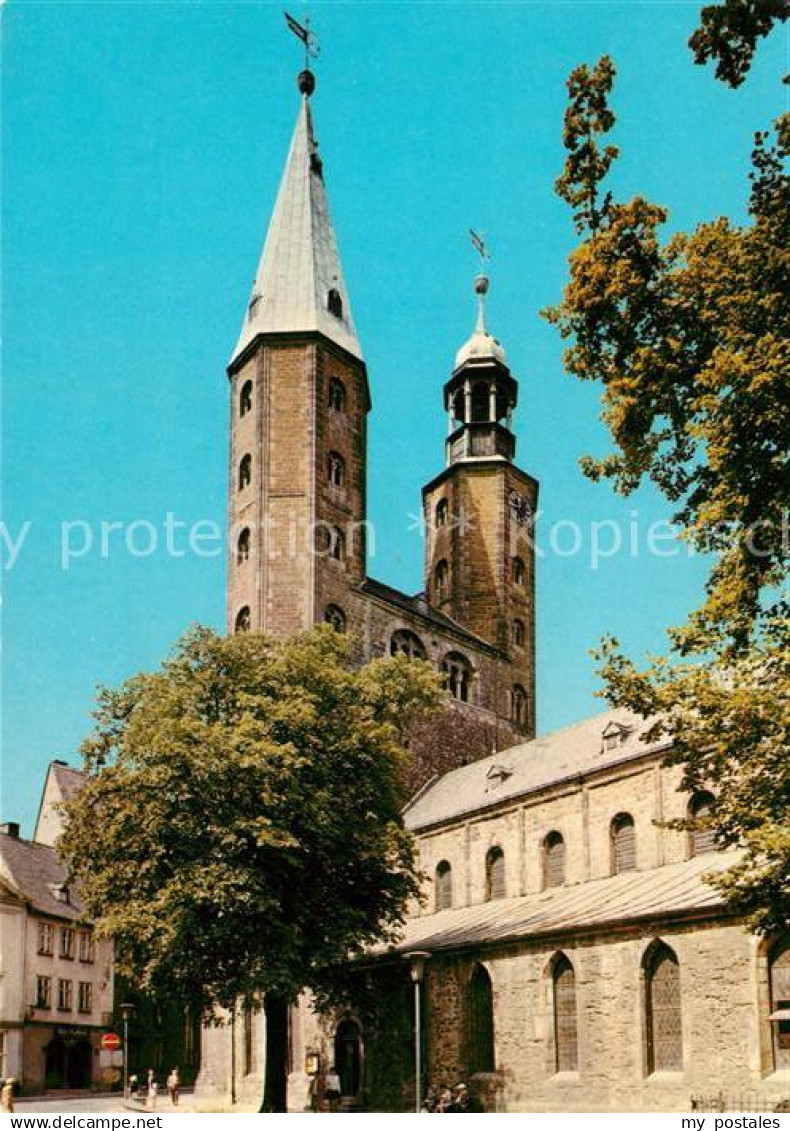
(69, 1103)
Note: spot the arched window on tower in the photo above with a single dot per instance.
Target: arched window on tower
(553, 860)
(245, 471)
(519, 571)
(406, 643)
(663, 1013)
(443, 885)
(337, 544)
(458, 407)
(623, 841)
(336, 469)
(335, 616)
(519, 705)
(441, 579)
(496, 886)
(702, 836)
(337, 394)
(243, 546)
(480, 1042)
(245, 398)
(519, 633)
(481, 402)
(457, 675)
(243, 619)
(442, 508)
(334, 303)
(566, 1038)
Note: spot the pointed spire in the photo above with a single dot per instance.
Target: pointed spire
(299, 285)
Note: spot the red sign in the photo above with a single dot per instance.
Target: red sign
(110, 1041)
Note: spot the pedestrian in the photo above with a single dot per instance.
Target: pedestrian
(150, 1079)
(173, 1084)
(333, 1088)
(7, 1095)
(151, 1099)
(133, 1088)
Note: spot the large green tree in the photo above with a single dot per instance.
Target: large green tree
(689, 337)
(240, 831)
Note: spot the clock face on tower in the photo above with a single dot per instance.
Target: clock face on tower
(520, 508)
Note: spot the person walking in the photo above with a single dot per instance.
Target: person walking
(7, 1095)
(173, 1085)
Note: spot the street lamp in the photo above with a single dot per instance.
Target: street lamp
(127, 1009)
(417, 958)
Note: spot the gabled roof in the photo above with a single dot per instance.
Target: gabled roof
(677, 890)
(62, 783)
(34, 872)
(300, 264)
(531, 766)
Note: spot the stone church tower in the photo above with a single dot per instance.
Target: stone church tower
(299, 399)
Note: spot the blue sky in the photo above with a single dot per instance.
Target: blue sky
(143, 144)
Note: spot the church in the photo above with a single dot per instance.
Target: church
(570, 953)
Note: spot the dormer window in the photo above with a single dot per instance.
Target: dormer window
(614, 735)
(497, 775)
(334, 303)
(60, 892)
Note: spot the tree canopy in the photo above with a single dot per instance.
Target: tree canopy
(729, 33)
(689, 336)
(240, 831)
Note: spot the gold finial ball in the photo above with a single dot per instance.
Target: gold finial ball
(481, 285)
(306, 82)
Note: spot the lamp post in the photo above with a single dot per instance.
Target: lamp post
(417, 959)
(127, 1009)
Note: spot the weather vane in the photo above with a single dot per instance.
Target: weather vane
(479, 245)
(308, 38)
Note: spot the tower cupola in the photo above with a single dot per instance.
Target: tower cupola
(481, 395)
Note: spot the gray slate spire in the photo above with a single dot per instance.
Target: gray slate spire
(299, 285)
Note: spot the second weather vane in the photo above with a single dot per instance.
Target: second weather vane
(308, 38)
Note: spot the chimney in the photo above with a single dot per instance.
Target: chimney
(10, 828)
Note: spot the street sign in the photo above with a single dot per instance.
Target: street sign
(110, 1041)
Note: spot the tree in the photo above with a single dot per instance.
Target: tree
(240, 830)
(729, 33)
(690, 339)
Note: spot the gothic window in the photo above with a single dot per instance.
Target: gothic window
(245, 398)
(245, 471)
(623, 836)
(441, 579)
(779, 972)
(495, 874)
(481, 402)
(243, 546)
(519, 705)
(519, 572)
(566, 1039)
(663, 1021)
(519, 633)
(457, 676)
(337, 394)
(243, 619)
(334, 303)
(444, 886)
(553, 861)
(441, 513)
(481, 1056)
(701, 836)
(336, 469)
(335, 616)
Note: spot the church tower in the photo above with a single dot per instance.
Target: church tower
(298, 407)
(479, 514)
